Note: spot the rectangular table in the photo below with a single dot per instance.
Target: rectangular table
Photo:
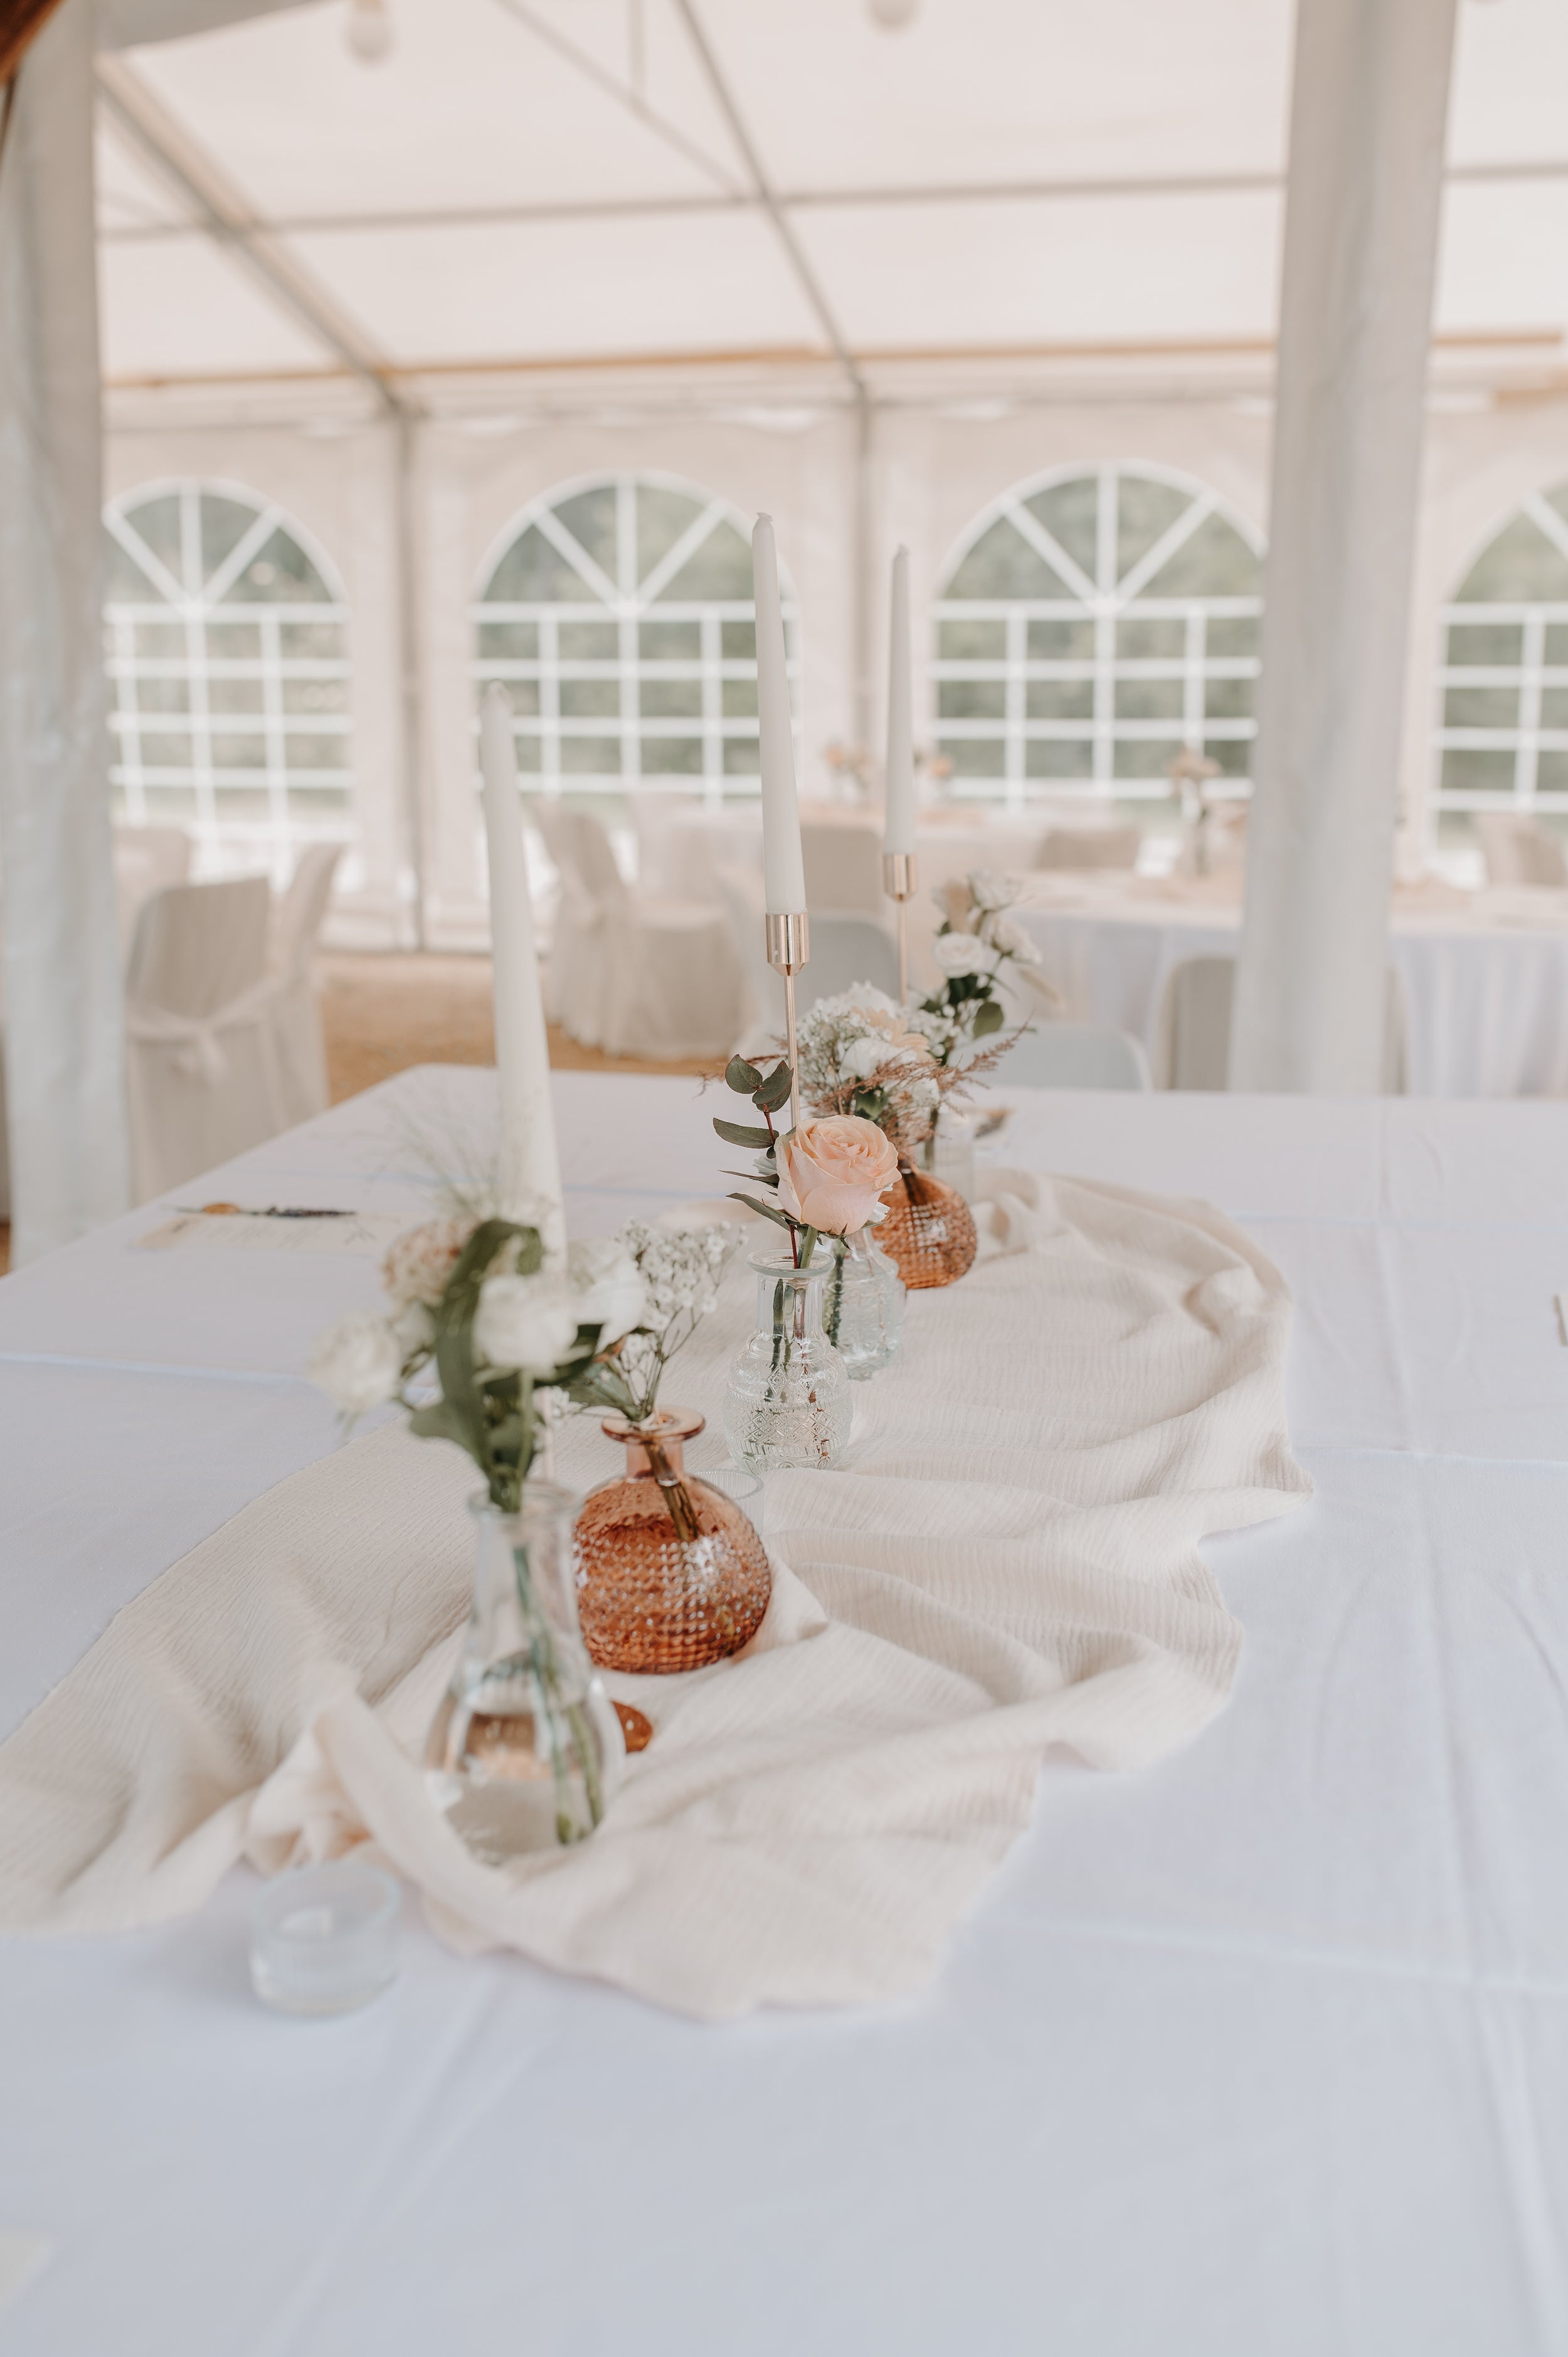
(1260, 2053)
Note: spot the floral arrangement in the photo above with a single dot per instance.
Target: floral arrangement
(827, 1175)
(861, 1054)
(977, 940)
(471, 1301)
(679, 1272)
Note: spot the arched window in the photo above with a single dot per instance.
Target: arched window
(227, 650)
(1091, 623)
(619, 615)
(1503, 684)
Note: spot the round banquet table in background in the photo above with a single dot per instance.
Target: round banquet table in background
(1486, 984)
(1255, 2050)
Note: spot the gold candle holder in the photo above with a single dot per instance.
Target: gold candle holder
(901, 881)
(788, 940)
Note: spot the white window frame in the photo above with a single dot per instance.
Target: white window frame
(627, 603)
(1105, 601)
(1526, 739)
(195, 604)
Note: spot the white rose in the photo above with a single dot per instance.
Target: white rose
(861, 1057)
(611, 1294)
(525, 1322)
(988, 890)
(357, 1362)
(1008, 938)
(961, 954)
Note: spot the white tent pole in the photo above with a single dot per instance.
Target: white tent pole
(410, 669)
(1369, 111)
(65, 1094)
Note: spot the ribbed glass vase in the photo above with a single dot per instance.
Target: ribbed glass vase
(671, 1573)
(787, 1404)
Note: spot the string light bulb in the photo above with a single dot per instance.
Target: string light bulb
(370, 30)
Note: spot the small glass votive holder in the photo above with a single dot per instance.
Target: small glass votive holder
(324, 1938)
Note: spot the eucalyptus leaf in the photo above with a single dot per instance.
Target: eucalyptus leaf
(741, 1076)
(766, 1210)
(774, 1091)
(741, 1133)
(988, 1017)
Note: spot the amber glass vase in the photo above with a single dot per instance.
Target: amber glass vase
(929, 1233)
(670, 1573)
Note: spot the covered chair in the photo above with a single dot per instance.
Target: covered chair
(1518, 850)
(843, 860)
(200, 1053)
(147, 859)
(739, 888)
(1195, 1027)
(664, 860)
(1073, 1056)
(847, 950)
(300, 1046)
(634, 973)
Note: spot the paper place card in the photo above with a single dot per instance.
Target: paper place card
(366, 1233)
(21, 2255)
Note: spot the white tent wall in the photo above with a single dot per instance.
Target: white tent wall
(936, 462)
(478, 481)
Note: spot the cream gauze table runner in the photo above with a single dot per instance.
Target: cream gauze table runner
(1006, 1565)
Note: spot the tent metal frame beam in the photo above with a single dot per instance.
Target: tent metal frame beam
(222, 213)
(972, 192)
(811, 286)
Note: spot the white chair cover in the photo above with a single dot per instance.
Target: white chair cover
(847, 950)
(201, 1066)
(147, 859)
(1518, 850)
(298, 1042)
(634, 973)
(664, 864)
(1074, 1056)
(843, 859)
(739, 888)
(1195, 1027)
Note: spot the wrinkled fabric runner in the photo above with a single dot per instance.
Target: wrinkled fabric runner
(1007, 1562)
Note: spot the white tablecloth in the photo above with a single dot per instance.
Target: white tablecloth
(1486, 991)
(1262, 2050)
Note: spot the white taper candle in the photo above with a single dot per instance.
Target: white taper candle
(783, 869)
(900, 796)
(527, 1172)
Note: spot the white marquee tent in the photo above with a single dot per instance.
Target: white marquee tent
(872, 278)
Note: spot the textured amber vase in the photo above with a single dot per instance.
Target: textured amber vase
(670, 1573)
(929, 1233)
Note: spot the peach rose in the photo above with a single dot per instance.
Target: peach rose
(832, 1172)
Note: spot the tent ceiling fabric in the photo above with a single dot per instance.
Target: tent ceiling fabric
(483, 197)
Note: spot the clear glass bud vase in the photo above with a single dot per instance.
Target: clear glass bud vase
(526, 1750)
(949, 1152)
(787, 1404)
(863, 1303)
